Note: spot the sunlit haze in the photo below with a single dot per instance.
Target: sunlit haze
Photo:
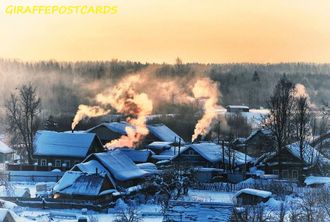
(207, 31)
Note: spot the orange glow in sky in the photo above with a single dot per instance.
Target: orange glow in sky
(207, 31)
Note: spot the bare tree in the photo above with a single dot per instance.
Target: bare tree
(22, 110)
(301, 121)
(128, 215)
(279, 120)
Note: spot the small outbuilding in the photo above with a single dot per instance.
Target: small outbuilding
(6, 153)
(250, 196)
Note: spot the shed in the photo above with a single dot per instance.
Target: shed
(250, 196)
(80, 185)
(6, 153)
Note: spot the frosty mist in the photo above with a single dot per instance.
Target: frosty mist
(129, 98)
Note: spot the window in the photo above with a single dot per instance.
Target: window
(285, 174)
(66, 163)
(57, 163)
(276, 172)
(43, 162)
(295, 174)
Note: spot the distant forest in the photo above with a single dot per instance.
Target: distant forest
(62, 86)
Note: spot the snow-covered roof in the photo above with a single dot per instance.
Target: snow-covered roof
(238, 106)
(213, 153)
(265, 132)
(311, 180)
(254, 192)
(163, 133)
(119, 165)
(149, 167)
(118, 127)
(79, 183)
(8, 215)
(159, 145)
(138, 156)
(310, 155)
(90, 167)
(51, 143)
(5, 149)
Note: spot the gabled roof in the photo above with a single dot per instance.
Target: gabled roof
(5, 149)
(51, 143)
(159, 145)
(117, 127)
(213, 153)
(137, 156)
(311, 156)
(265, 132)
(90, 167)
(119, 165)
(79, 183)
(254, 192)
(163, 133)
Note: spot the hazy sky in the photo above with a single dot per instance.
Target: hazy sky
(208, 31)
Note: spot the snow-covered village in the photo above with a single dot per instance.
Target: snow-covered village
(115, 159)
(164, 111)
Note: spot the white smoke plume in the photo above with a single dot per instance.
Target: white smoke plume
(136, 106)
(85, 111)
(300, 91)
(206, 90)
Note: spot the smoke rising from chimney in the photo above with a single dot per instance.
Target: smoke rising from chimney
(85, 111)
(136, 106)
(207, 91)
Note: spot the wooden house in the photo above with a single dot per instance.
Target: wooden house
(258, 142)
(292, 166)
(114, 130)
(250, 196)
(120, 169)
(109, 131)
(210, 155)
(63, 149)
(85, 186)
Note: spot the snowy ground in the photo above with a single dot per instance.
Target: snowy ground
(148, 212)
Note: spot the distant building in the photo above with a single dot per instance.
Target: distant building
(6, 153)
(292, 165)
(259, 142)
(237, 108)
(63, 150)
